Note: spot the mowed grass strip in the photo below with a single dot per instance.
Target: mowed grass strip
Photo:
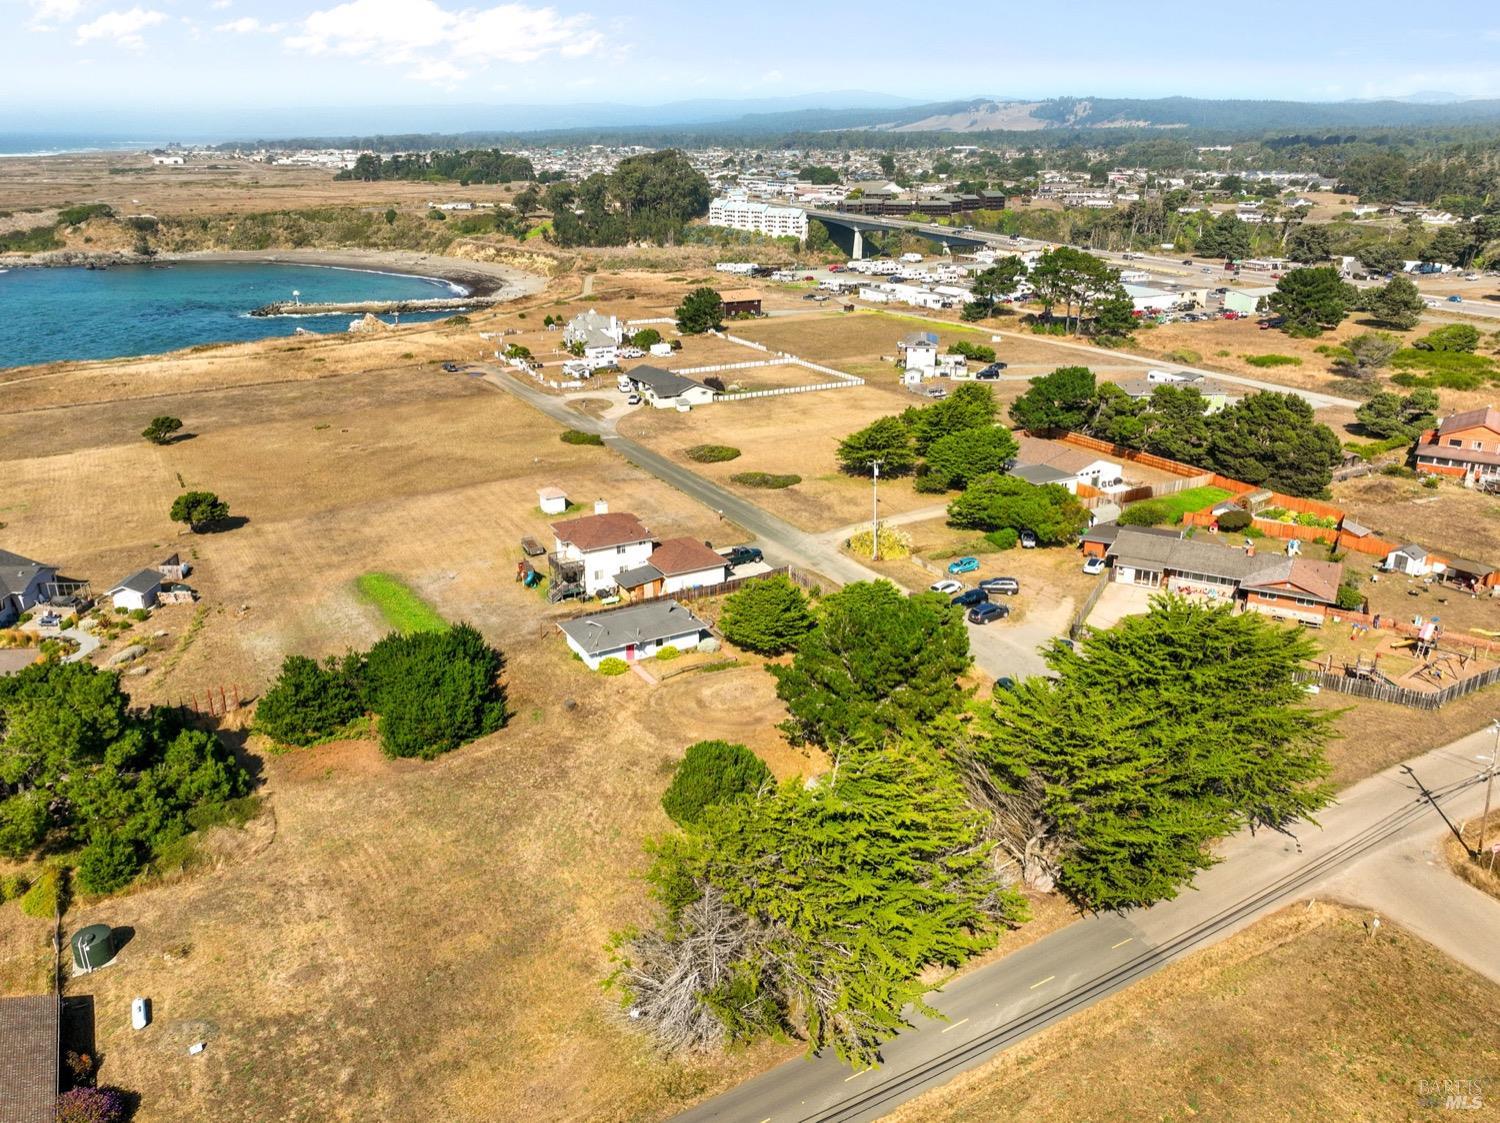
(1193, 499)
(402, 608)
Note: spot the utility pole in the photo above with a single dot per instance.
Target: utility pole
(875, 511)
(1489, 783)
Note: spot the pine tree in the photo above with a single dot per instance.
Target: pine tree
(768, 616)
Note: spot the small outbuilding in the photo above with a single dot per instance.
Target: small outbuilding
(30, 1058)
(1411, 559)
(138, 591)
(552, 500)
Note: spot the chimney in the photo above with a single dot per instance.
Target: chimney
(601, 507)
(1249, 549)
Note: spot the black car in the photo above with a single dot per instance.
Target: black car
(451, 368)
(1005, 682)
(969, 598)
(1007, 585)
(987, 613)
(992, 371)
(743, 555)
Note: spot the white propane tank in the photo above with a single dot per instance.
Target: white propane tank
(140, 1013)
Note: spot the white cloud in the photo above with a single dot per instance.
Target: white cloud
(249, 25)
(123, 28)
(772, 76)
(220, 5)
(47, 14)
(437, 43)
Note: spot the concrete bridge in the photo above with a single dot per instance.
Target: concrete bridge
(948, 237)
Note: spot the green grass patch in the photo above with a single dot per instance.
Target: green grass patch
(1369, 450)
(579, 437)
(1272, 360)
(1171, 508)
(1450, 370)
(945, 325)
(1185, 355)
(770, 481)
(38, 239)
(711, 454)
(402, 608)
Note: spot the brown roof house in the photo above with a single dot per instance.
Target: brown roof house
(676, 564)
(594, 549)
(1464, 446)
(30, 1059)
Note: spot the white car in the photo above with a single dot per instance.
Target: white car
(947, 587)
(1093, 566)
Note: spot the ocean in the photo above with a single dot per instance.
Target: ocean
(50, 144)
(74, 313)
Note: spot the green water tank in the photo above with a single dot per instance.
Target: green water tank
(93, 947)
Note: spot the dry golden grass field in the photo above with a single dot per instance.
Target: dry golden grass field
(1300, 1017)
(1449, 518)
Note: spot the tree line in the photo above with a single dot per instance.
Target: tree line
(651, 197)
(470, 166)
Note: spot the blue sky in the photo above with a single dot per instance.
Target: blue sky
(207, 55)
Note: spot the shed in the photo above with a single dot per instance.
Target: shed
(552, 500)
(30, 1058)
(138, 591)
(1411, 559)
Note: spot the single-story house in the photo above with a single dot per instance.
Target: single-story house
(23, 584)
(637, 631)
(30, 1058)
(741, 302)
(676, 564)
(667, 389)
(1412, 560)
(589, 551)
(1080, 465)
(138, 591)
(1292, 588)
(1465, 446)
(1217, 394)
(1096, 541)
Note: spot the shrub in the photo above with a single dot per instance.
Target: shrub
(75, 216)
(47, 896)
(1349, 598)
(667, 654)
(1272, 360)
(160, 431)
(1400, 471)
(90, 1105)
(645, 339)
(578, 437)
(1184, 355)
(1237, 519)
(768, 615)
(308, 702)
(767, 480)
(613, 666)
(712, 773)
(1003, 539)
(711, 454)
(198, 509)
(976, 351)
(107, 863)
(434, 691)
(1151, 512)
(894, 543)
(1451, 338)
(13, 886)
(1432, 483)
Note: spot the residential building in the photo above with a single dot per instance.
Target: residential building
(30, 1058)
(600, 335)
(1412, 560)
(760, 218)
(23, 584)
(637, 631)
(1292, 588)
(920, 350)
(676, 564)
(1464, 446)
(138, 591)
(1076, 465)
(591, 550)
(741, 302)
(667, 389)
(1217, 394)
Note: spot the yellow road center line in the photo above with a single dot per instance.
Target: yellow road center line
(856, 1076)
(955, 1025)
(1122, 943)
(1048, 979)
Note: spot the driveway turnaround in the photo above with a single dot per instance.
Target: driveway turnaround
(1374, 825)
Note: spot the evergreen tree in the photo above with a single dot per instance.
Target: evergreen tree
(887, 440)
(1312, 299)
(700, 311)
(1227, 237)
(1163, 733)
(970, 406)
(995, 502)
(1273, 439)
(878, 663)
(308, 702)
(712, 773)
(768, 616)
(160, 431)
(1064, 400)
(960, 458)
(1396, 304)
(198, 509)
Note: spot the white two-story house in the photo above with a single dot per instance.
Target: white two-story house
(594, 549)
(600, 335)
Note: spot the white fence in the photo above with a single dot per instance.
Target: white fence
(652, 320)
(734, 366)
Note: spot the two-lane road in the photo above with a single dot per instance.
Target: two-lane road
(991, 1008)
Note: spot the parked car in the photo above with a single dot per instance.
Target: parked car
(1229, 314)
(937, 393)
(987, 613)
(947, 586)
(1028, 540)
(1006, 585)
(633, 400)
(992, 371)
(1187, 261)
(53, 620)
(963, 565)
(810, 296)
(970, 598)
(451, 368)
(1005, 682)
(1093, 566)
(1221, 290)
(743, 555)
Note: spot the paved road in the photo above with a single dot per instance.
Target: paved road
(1375, 824)
(998, 650)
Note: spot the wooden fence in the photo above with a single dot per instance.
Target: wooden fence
(216, 701)
(1399, 695)
(1075, 629)
(697, 592)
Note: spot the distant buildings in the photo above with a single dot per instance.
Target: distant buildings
(759, 218)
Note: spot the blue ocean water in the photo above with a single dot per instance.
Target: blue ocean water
(73, 313)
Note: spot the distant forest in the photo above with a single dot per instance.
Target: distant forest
(466, 167)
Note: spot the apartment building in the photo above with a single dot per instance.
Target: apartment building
(760, 218)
